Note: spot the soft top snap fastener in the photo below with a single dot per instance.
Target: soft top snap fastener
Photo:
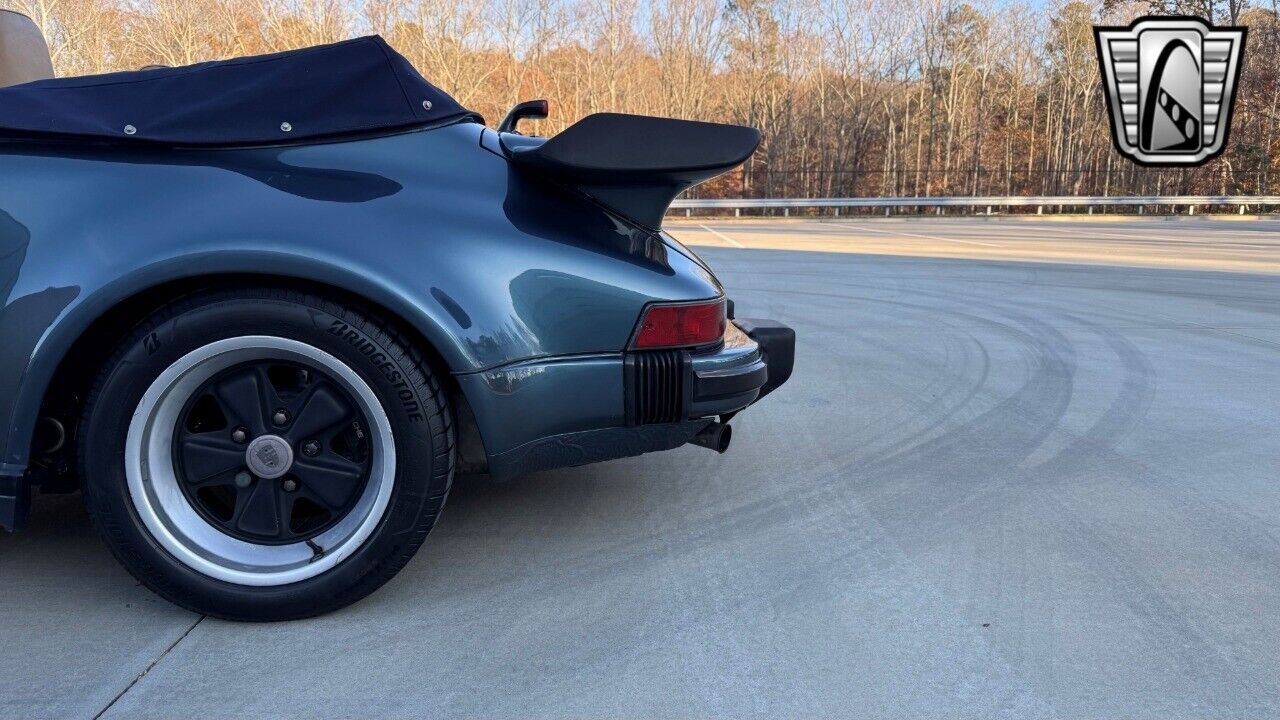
(129, 129)
(426, 104)
(286, 127)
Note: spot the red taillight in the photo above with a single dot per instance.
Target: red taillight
(684, 325)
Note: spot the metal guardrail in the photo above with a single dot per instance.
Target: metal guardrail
(992, 201)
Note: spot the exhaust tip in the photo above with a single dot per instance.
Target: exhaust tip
(715, 436)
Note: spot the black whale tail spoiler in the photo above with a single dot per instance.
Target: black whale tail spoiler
(636, 164)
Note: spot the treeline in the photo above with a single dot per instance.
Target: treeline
(855, 97)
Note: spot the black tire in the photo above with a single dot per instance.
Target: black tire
(374, 349)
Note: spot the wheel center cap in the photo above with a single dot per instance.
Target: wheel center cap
(269, 456)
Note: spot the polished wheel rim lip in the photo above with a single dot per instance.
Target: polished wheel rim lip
(168, 515)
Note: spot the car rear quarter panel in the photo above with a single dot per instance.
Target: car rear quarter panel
(493, 267)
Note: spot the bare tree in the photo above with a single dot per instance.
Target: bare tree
(853, 96)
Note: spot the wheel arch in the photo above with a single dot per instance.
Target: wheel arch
(77, 356)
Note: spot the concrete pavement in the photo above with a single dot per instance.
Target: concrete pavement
(1194, 243)
(995, 487)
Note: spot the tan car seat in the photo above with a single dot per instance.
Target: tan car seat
(24, 56)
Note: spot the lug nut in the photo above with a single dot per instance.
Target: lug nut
(280, 417)
(289, 485)
(239, 435)
(243, 479)
(311, 448)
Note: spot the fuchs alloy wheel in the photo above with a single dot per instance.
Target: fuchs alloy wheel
(219, 474)
(263, 454)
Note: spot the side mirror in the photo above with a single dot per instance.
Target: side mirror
(533, 109)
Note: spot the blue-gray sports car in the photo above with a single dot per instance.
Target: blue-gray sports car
(261, 311)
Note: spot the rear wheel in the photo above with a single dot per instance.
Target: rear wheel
(263, 454)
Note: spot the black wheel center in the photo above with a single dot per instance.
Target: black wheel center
(272, 452)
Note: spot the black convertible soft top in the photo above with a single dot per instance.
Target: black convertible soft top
(356, 86)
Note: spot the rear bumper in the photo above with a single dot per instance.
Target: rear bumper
(666, 386)
(559, 412)
(757, 358)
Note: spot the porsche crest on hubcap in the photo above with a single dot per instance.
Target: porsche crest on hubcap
(269, 457)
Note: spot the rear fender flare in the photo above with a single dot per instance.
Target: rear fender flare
(419, 310)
